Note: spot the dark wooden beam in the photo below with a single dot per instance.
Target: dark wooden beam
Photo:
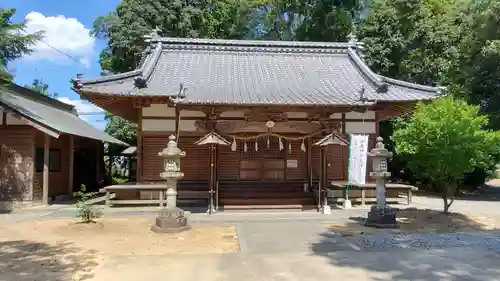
(309, 163)
(138, 168)
(71, 154)
(177, 121)
(46, 159)
(263, 119)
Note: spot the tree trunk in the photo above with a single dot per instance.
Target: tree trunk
(447, 192)
(446, 206)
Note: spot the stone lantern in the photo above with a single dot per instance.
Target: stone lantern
(171, 219)
(380, 214)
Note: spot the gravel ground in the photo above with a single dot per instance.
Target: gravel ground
(490, 241)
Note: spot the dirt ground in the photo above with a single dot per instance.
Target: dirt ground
(37, 249)
(423, 221)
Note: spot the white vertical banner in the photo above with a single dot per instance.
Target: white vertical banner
(358, 149)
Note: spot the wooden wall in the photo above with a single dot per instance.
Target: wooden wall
(58, 181)
(195, 164)
(16, 162)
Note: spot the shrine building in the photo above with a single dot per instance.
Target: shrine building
(261, 122)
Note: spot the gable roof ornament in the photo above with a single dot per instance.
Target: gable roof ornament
(77, 82)
(140, 82)
(154, 34)
(212, 138)
(353, 40)
(180, 96)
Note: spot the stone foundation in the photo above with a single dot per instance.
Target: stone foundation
(381, 218)
(170, 221)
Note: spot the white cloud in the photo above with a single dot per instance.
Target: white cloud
(82, 107)
(65, 34)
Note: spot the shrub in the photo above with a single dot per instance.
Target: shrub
(445, 140)
(85, 211)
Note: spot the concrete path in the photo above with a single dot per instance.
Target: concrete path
(295, 247)
(303, 250)
(452, 264)
(280, 237)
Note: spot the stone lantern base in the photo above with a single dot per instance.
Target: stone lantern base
(171, 221)
(381, 217)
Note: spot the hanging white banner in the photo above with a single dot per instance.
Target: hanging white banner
(358, 149)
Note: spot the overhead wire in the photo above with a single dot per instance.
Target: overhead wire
(70, 57)
(54, 48)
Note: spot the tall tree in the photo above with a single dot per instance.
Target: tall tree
(476, 74)
(414, 40)
(121, 129)
(444, 140)
(39, 86)
(126, 26)
(310, 20)
(14, 43)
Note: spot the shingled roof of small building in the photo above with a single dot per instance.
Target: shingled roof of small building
(55, 117)
(256, 72)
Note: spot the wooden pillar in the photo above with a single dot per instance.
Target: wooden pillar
(309, 163)
(45, 185)
(217, 178)
(211, 183)
(138, 151)
(99, 161)
(110, 168)
(129, 167)
(139, 160)
(324, 174)
(320, 186)
(177, 121)
(71, 152)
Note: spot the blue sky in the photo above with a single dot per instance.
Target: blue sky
(66, 25)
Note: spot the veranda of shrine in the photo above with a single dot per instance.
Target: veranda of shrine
(262, 123)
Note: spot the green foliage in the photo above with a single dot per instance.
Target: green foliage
(85, 211)
(476, 74)
(413, 40)
(121, 129)
(454, 43)
(309, 20)
(39, 86)
(126, 27)
(119, 180)
(444, 140)
(14, 43)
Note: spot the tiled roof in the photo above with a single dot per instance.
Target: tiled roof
(256, 72)
(49, 113)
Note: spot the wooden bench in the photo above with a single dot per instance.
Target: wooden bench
(160, 188)
(367, 190)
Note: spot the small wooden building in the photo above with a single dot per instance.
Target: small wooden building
(46, 150)
(270, 102)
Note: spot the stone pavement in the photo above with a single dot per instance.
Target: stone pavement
(430, 265)
(287, 236)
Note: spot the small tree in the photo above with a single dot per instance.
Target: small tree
(85, 211)
(444, 140)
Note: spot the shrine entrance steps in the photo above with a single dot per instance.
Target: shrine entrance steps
(259, 195)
